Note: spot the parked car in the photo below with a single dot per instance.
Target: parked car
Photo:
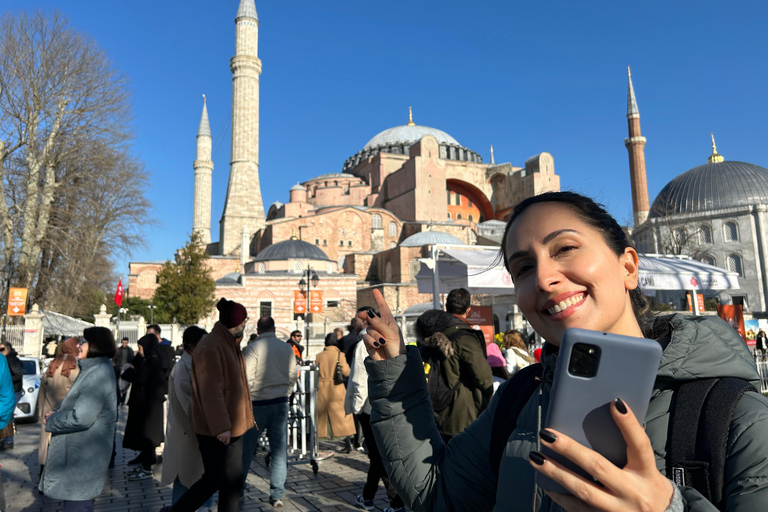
(26, 409)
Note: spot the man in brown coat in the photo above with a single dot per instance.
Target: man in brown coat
(220, 411)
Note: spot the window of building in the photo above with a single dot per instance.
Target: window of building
(470, 218)
(458, 199)
(708, 260)
(733, 262)
(448, 199)
(376, 221)
(332, 304)
(265, 308)
(730, 232)
(458, 216)
(298, 267)
(705, 234)
(449, 215)
(469, 202)
(317, 241)
(341, 243)
(393, 229)
(262, 268)
(325, 241)
(349, 243)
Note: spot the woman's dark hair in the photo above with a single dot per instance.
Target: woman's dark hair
(595, 215)
(191, 336)
(101, 342)
(331, 340)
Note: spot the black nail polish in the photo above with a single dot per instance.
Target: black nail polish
(371, 313)
(620, 406)
(547, 436)
(537, 458)
(382, 341)
(376, 344)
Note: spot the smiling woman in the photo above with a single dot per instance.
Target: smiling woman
(573, 266)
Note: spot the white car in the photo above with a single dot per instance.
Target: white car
(26, 408)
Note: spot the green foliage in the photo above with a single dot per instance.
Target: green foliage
(185, 290)
(134, 305)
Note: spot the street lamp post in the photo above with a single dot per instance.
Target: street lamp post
(8, 272)
(151, 309)
(311, 281)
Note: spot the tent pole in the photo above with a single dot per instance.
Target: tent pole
(435, 281)
(695, 302)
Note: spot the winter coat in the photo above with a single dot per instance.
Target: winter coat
(124, 355)
(330, 396)
(83, 431)
(52, 392)
(270, 367)
(144, 426)
(466, 365)
(516, 359)
(7, 396)
(430, 476)
(220, 399)
(17, 369)
(181, 455)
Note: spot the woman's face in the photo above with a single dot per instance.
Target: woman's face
(566, 276)
(83, 353)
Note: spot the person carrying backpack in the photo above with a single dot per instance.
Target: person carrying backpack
(573, 266)
(459, 377)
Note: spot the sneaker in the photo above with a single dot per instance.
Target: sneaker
(277, 503)
(365, 504)
(140, 474)
(390, 509)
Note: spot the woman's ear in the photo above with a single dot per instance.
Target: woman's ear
(631, 263)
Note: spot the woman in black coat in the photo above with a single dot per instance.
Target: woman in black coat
(144, 427)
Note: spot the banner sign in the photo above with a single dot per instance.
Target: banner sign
(481, 318)
(734, 316)
(299, 302)
(17, 301)
(316, 301)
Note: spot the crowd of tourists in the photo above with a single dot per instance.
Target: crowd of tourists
(456, 422)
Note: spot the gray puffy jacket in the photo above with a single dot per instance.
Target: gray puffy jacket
(431, 476)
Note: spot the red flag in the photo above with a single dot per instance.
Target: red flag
(119, 293)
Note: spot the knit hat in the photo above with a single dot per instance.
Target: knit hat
(231, 314)
(495, 359)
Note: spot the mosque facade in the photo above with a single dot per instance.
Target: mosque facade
(407, 180)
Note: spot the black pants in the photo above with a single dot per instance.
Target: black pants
(376, 470)
(223, 466)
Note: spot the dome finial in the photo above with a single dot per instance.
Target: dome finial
(410, 117)
(293, 235)
(493, 161)
(714, 157)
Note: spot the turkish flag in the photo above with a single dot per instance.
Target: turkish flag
(119, 293)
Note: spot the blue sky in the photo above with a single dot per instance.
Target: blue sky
(524, 76)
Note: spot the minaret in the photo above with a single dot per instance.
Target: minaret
(244, 206)
(203, 165)
(493, 160)
(635, 144)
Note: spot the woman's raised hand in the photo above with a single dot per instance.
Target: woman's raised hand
(639, 486)
(383, 338)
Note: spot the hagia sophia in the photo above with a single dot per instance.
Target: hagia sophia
(367, 224)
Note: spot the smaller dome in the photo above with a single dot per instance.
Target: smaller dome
(418, 309)
(430, 238)
(333, 175)
(297, 187)
(293, 249)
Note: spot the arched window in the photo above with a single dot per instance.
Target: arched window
(708, 260)
(705, 234)
(449, 215)
(393, 229)
(733, 262)
(376, 221)
(470, 218)
(298, 267)
(458, 216)
(448, 194)
(730, 232)
(262, 268)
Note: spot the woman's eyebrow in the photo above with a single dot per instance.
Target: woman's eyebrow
(545, 241)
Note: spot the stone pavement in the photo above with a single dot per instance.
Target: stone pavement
(339, 479)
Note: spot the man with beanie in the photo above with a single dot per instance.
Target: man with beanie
(220, 411)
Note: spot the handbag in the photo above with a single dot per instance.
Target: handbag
(338, 374)
(9, 430)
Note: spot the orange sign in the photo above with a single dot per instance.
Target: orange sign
(734, 316)
(17, 301)
(299, 302)
(699, 301)
(481, 318)
(316, 301)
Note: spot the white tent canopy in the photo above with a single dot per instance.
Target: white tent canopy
(56, 324)
(480, 269)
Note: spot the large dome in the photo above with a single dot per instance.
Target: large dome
(713, 186)
(408, 134)
(430, 238)
(293, 249)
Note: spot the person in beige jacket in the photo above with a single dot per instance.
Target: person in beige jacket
(332, 421)
(182, 462)
(54, 385)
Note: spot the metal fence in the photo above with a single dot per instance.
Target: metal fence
(762, 368)
(14, 334)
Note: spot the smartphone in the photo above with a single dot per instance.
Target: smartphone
(593, 369)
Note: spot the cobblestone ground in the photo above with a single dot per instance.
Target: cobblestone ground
(339, 479)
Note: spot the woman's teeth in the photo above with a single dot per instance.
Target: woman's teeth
(563, 304)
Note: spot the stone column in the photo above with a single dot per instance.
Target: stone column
(33, 333)
(102, 318)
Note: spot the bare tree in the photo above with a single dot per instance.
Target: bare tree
(72, 193)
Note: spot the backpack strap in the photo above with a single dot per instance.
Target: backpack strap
(698, 434)
(513, 395)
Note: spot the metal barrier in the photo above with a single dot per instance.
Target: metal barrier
(302, 420)
(14, 334)
(761, 360)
